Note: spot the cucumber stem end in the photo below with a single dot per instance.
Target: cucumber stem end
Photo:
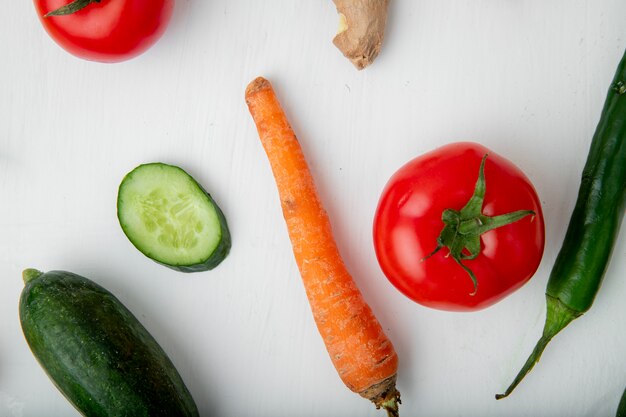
(30, 274)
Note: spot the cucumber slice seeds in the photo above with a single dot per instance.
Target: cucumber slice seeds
(171, 219)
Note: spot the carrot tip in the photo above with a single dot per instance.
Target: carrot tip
(258, 84)
(391, 406)
(384, 395)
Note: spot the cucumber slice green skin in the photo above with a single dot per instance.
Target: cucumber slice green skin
(206, 261)
(96, 352)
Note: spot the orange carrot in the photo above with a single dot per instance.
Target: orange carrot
(363, 356)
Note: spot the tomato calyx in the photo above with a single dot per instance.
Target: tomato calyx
(72, 7)
(462, 228)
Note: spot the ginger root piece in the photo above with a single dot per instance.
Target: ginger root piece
(361, 29)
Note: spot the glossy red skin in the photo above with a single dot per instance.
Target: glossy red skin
(408, 222)
(109, 31)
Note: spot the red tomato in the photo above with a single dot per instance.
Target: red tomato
(109, 30)
(408, 224)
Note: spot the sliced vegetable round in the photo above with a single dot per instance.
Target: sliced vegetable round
(171, 219)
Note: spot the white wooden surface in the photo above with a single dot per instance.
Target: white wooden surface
(526, 78)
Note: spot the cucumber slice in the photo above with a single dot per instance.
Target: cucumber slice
(171, 219)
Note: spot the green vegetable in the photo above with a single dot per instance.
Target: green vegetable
(621, 408)
(580, 265)
(171, 219)
(96, 352)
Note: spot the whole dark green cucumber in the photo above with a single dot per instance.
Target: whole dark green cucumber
(96, 352)
(593, 228)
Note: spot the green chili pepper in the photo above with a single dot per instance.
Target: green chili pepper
(621, 408)
(580, 265)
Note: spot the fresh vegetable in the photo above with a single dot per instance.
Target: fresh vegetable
(594, 225)
(361, 29)
(171, 219)
(96, 352)
(363, 356)
(621, 408)
(105, 30)
(458, 228)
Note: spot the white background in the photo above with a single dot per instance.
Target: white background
(526, 78)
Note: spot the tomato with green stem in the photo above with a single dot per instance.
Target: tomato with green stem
(105, 30)
(459, 228)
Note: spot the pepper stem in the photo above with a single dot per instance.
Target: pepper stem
(462, 228)
(72, 7)
(558, 316)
